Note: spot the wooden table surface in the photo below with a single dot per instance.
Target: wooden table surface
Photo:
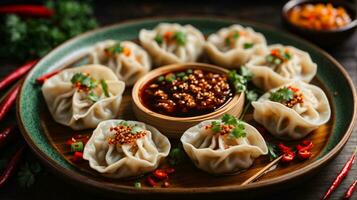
(48, 186)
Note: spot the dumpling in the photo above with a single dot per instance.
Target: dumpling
(217, 146)
(172, 43)
(233, 46)
(281, 65)
(128, 60)
(81, 97)
(119, 149)
(293, 110)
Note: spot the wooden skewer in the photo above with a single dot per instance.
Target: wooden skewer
(261, 172)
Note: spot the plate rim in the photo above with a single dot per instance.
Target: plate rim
(89, 182)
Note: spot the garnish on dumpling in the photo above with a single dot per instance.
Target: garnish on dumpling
(292, 111)
(172, 43)
(233, 46)
(119, 148)
(128, 60)
(81, 97)
(221, 146)
(281, 65)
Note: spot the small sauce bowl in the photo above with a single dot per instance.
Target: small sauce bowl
(172, 126)
(322, 37)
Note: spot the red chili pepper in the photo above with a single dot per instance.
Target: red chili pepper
(304, 154)
(11, 166)
(40, 80)
(5, 135)
(27, 10)
(350, 190)
(343, 173)
(151, 181)
(283, 148)
(7, 103)
(16, 74)
(305, 145)
(170, 171)
(77, 156)
(160, 174)
(288, 157)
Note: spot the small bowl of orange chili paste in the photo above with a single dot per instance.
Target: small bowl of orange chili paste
(324, 22)
(175, 97)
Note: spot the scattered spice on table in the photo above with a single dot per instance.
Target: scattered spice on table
(343, 173)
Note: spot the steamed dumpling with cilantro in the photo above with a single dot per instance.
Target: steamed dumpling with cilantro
(233, 46)
(128, 60)
(119, 149)
(81, 97)
(223, 146)
(281, 65)
(172, 43)
(293, 110)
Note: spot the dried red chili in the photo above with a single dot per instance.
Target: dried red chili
(40, 80)
(27, 10)
(77, 157)
(9, 101)
(11, 166)
(160, 174)
(151, 181)
(5, 135)
(305, 145)
(350, 190)
(343, 173)
(288, 157)
(16, 74)
(283, 148)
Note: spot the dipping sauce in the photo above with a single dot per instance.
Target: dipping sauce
(319, 16)
(187, 93)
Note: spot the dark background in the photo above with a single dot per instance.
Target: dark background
(48, 186)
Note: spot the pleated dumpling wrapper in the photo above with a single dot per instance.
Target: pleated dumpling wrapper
(281, 65)
(233, 46)
(120, 149)
(223, 146)
(293, 110)
(81, 97)
(172, 43)
(128, 60)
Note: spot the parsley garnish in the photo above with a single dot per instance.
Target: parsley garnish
(180, 38)
(216, 126)
(117, 48)
(229, 120)
(84, 80)
(93, 97)
(282, 94)
(24, 38)
(176, 156)
(136, 129)
(104, 85)
(238, 131)
(160, 78)
(248, 45)
(159, 39)
(27, 174)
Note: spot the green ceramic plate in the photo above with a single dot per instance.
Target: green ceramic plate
(330, 73)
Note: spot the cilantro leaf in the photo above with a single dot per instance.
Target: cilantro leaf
(239, 82)
(136, 129)
(180, 38)
(159, 39)
(252, 96)
(117, 48)
(216, 126)
(246, 73)
(176, 156)
(282, 94)
(238, 131)
(93, 97)
(229, 119)
(248, 45)
(84, 80)
(104, 85)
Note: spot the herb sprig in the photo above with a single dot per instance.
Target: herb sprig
(28, 38)
(281, 95)
(238, 130)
